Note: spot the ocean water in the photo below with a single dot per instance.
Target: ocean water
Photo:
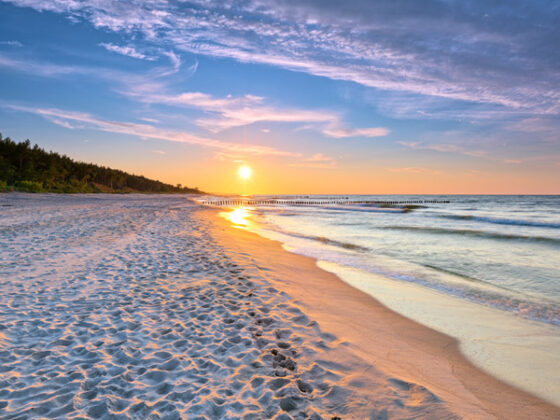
(499, 251)
(483, 269)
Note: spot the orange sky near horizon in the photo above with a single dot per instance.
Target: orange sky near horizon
(274, 178)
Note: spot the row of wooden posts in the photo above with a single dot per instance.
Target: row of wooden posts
(315, 202)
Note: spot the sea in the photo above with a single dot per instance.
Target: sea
(484, 269)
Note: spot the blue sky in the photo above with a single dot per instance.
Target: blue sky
(317, 96)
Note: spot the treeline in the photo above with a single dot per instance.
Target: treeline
(29, 168)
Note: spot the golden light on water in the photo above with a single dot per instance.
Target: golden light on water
(244, 172)
(238, 216)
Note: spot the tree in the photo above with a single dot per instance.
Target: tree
(33, 169)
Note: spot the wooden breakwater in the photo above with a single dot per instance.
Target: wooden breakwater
(281, 202)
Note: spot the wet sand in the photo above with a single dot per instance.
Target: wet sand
(153, 307)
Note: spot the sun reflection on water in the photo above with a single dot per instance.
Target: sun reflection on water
(239, 217)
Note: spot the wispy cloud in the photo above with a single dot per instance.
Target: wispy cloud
(150, 132)
(127, 50)
(471, 51)
(416, 170)
(318, 160)
(363, 132)
(223, 150)
(174, 58)
(12, 43)
(229, 111)
(437, 147)
(63, 123)
(446, 148)
(197, 100)
(41, 68)
(224, 112)
(151, 120)
(49, 69)
(462, 150)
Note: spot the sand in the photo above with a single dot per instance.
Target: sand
(151, 307)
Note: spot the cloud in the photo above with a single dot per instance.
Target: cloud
(62, 123)
(363, 132)
(197, 100)
(229, 111)
(12, 43)
(542, 130)
(150, 132)
(468, 51)
(223, 150)
(235, 117)
(445, 148)
(129, 51)
(416, 170)
(41, 69)
(450, 148)
(225, 112)
(316, 161)
(175, 64)
(174, 58)
(49, 69)
(151, 120)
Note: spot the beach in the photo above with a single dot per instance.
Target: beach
(156, 307)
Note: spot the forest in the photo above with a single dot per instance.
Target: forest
(31, 169)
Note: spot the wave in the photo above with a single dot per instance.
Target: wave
(514, 222)
(476, 233)
(321, 239)
(465, 277)
(459, 285)
(345, 245)
(499, 297)
(364, 209)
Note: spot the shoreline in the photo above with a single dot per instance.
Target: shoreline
(393, 344)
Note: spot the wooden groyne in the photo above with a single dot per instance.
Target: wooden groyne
(276, 202)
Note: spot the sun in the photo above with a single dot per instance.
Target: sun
(244, 172)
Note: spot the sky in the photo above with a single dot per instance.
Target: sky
(316, 96)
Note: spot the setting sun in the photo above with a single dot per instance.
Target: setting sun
(244, 172)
